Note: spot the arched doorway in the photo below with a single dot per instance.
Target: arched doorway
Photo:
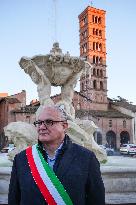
(124, 137)
(111, 139)
(98, 137)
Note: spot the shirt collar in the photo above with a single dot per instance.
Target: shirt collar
(56, 152)
(61, 148)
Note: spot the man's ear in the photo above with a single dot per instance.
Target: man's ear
(65, 125)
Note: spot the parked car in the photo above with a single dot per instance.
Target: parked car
(128, 149)
(109, 151)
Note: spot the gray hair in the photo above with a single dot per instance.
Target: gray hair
(62, 112)
(59, 109)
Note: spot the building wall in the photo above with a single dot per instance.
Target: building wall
(12, 107)
(3, 115)
(6, 111)
(79, 102)
(133, 122)
(7, 115)
(21, 97)
(117, 128)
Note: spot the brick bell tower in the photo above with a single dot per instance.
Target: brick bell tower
(93, 83)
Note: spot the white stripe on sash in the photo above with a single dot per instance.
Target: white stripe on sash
(52, 189)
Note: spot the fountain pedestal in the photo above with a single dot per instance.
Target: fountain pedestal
(119, 176)
(120, 184)
(4, 184)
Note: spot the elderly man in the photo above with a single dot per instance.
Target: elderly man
(55, 171)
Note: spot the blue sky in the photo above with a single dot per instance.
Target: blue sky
(27, 29)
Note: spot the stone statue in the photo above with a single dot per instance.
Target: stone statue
(22, 135)
(55, 69)
(81, 132)
(42, 82)
(58, 69)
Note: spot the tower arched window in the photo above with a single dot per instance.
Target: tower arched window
(97, 32)
(99, 20)
(100, 60)
(93, 59)
(100, 33)
(97, 72)
(96, 46)
(101, 73)
(97, 59)
(93, 45)
(93, 18)
(101, 85)
(85, 20)
(84, 34)
(94, 84)
(96, 19)
(94, 71)
(100, 47)
(93, 31)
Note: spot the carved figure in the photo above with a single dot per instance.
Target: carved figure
(22, 135)
(54, 69)
(57, 69)
(81, 132)
(42, 82)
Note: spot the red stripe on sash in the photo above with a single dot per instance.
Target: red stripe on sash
(42, 187)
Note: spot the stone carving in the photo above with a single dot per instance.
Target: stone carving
(55, 69)
(81, 132)
(58, 69)
(22, 135)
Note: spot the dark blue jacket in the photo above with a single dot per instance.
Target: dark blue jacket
(76, 167)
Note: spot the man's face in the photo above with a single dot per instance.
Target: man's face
(53, 133)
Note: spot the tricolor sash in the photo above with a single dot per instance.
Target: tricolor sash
(45, 178)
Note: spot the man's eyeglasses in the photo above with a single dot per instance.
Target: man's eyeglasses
(47, 123)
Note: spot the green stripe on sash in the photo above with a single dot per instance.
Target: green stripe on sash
(56, 182)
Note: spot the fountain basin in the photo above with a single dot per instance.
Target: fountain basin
(4, 184)
(119, 176)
